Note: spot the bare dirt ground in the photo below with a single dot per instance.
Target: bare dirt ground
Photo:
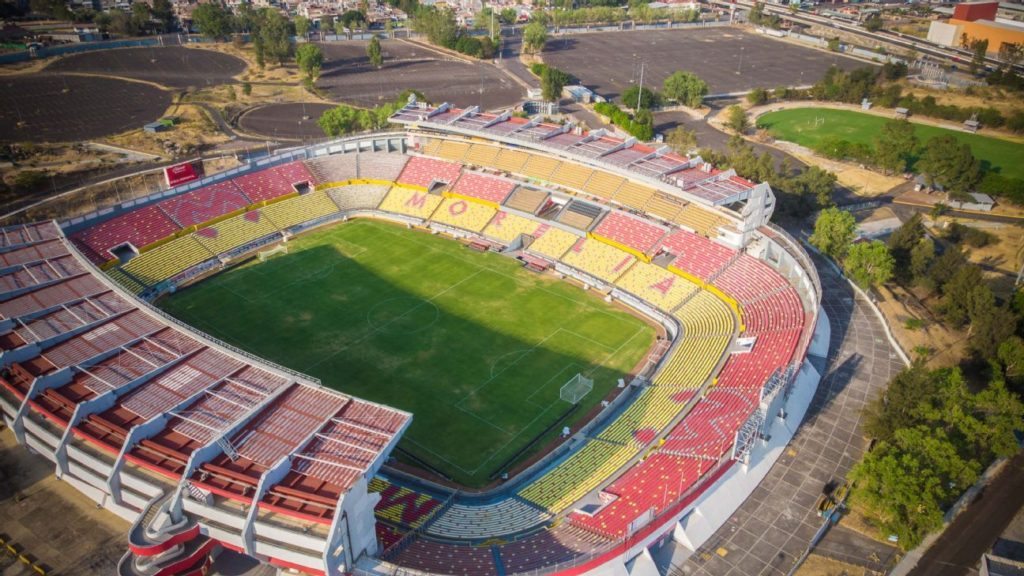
(50, 521)
(194, 132)
(172, 66)
(288, 120)
(816, 565)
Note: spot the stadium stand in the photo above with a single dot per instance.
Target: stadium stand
(292, 211)
(129, 283)
(422, 171)
(506, 516)
(576, 476)
(539, 167)
(63, 320)
(235, 231)
(700, 220)
(664, 206)
(335, 168)
(381, 165)
(486, 188)
(358, 196)
(463, 214)
(400, 506)
(32, 253)
(598, 259)
(656, 285)
(551, 242)
(442, 558)
(748, 279)
(506, 226)
(633, 195)
(634, 233)
(482, 155)
(141, 227)
(549, 547)
(449, 150)
(604, 184)
(579, 214)
(572, 175)
(411, 202)
(527, 200)
(511, 160)
(204, 204)
(387, 536)
(167, 260)
(273, 182)
(51, 295)
(696, 255)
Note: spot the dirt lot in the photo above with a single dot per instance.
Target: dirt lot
(64, 108)
(816, 565)
(284, 120)
(729, 60)
(51, 522)
(171, 66)
(348, 77)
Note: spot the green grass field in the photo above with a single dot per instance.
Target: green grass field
(473, 345)
(799, 125)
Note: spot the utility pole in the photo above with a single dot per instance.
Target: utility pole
(640, 93)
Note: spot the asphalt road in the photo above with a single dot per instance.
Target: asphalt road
(975, 530)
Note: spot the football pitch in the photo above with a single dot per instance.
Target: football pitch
(472, 344)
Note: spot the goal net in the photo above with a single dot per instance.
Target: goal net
(575, 389)
(279, 249)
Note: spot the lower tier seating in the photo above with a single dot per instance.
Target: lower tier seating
(167, 260)
(463, 214)
(598, 259)
(358, 196)
(506, 516)
(656, 285)
(235, 231)
(288, 213)
(578, 474)
(411, 202)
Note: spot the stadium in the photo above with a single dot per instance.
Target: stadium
(177, 359)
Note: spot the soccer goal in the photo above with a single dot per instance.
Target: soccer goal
(279, 249)
(575, 389)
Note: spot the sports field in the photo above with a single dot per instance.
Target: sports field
(472, 344)
(809, 126)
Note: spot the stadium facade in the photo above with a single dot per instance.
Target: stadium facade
(200, 445)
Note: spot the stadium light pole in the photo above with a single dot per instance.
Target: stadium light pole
(640, 93)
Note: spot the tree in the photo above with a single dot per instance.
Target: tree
(508, 16)
(646, 97)
(302, 27)
(905, 483)
(686, 88)
(834, 44)
(949, 164)
(535, 36)
(736, 119)
(164, 12)
(873, 23)
(894, 145)
(869, 263)
(552, 81)
(141, 16)
(902, 242)
(1011, 357)
(438, 25)
(757, 96)
(310, 58)
(921, 258)
(1011, 54)
(834, 230)
(374, 53)
(246, 88)
(212, 20)
(275, 35)
(979, 49)
(681, 140)
(339, 121)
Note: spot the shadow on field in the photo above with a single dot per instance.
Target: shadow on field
(477, 359)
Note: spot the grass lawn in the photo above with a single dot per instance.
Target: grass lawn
(472, 344)
(799, 125)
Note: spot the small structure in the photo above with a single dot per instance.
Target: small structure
(972, 125)
(865, 104)
(154, 127)
(902, 113)
(978, 203)
(581, 94)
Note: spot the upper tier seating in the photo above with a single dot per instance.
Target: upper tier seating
(637, 234)
(633, 195)
(700, 219)
(292, 211)
(235, 231)
(511, 160)
(19, 234)
(421, 171)
(604, 184)
(167, 260)
(527, 200)
(696, 255)
(204, 204)
(579, 214)
(140, 226)
(335, 168)
(482, 155)
(486, 188)
(273, 182)
(412, 202)
(664, 206)
(539, 167)
(598, 259)
(40, 272)
(748, 279)
(572, 175)
(358, 196)
(463, 214)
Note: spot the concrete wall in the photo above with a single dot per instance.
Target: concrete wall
(944, 33)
